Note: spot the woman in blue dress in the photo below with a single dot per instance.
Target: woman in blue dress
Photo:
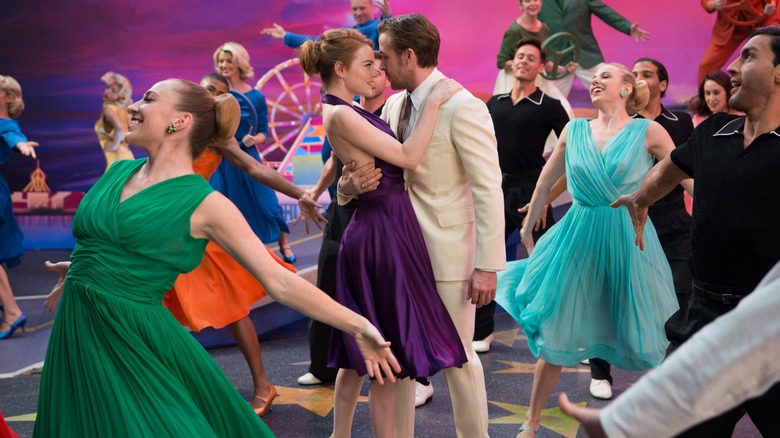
(11, 249)
(257, 202)
(587, 291)
(383, 271)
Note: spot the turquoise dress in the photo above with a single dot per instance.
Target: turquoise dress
(587, 291)
(118, 363)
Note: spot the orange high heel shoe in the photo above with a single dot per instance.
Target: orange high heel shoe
(267, 402)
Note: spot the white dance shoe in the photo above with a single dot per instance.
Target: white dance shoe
(422, 393)
(309, 379)
(482, 346)
(601, 389)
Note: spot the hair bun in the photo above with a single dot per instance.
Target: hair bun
(309, 55)
(641, 97)
(228, 115)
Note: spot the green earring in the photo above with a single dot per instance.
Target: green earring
(623, 93)
(170, 129)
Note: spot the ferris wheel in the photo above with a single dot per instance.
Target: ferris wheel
(293, 99)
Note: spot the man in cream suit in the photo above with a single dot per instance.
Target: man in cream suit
(456, 193)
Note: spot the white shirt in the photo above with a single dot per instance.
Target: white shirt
(735, 358)
(418, 98)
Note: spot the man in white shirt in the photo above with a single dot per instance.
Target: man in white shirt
(735, 358)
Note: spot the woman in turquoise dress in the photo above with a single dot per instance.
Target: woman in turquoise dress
(118, 362)
(587, 291)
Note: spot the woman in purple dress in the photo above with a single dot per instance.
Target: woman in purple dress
(384, 271)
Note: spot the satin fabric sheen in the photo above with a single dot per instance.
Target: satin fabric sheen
(385, 274)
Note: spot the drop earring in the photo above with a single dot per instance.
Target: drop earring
(170, 129)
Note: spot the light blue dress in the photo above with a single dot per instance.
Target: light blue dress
(587, 291)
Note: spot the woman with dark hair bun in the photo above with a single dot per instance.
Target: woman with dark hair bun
(384, 270)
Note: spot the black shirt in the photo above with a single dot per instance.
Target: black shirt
(522, 129)
(679, 125)
(735, 231)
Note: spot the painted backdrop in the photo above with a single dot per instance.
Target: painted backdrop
(58, 49)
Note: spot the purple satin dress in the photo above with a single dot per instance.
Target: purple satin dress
(385, 274)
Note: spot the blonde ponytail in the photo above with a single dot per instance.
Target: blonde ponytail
(639, 98)
(228, 116)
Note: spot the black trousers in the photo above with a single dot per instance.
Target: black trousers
(763, 410)
(517, 193)
(319, 333)
(673, 225)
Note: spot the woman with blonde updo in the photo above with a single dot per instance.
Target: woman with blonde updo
(384, 270)
(586, 290)
(118, 362)
(112, 125)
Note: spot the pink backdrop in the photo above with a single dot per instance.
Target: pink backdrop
(58, 50)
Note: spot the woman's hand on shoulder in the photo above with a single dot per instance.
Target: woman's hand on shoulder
(443, 90)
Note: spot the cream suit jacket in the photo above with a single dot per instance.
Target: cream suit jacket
(456, 189)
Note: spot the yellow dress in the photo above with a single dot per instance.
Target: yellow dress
(106, 136)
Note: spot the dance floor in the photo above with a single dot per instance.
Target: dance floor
(306, 411)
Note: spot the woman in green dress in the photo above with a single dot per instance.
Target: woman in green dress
(118, 363)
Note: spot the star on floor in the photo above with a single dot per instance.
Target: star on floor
(552, 418)
(318, 400)
(528, 368)
(508, 337)
(23, 417)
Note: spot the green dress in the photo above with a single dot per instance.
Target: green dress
(118, 362)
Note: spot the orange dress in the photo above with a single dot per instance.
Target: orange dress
(219, 291)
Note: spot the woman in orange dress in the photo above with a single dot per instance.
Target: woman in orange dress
(199, 298)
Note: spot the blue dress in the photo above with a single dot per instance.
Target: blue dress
(384, 273)
(587, 291)
(11, 248)
(257, 202)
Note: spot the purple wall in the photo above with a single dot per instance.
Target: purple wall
(59, 49)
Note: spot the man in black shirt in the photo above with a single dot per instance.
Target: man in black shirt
(735, 231)
(523, 119)
(671, 221)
